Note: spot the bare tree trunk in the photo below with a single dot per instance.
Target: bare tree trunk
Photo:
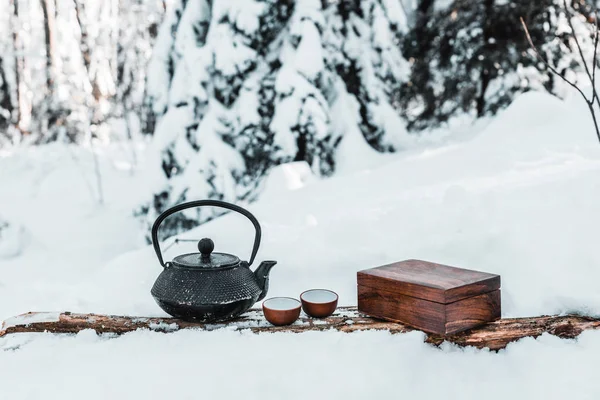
(494, 335)
(19, 66)
(485, 70)
(114, 37)
(84, 45)
(6, 105)
(48, 8)
(51, 124)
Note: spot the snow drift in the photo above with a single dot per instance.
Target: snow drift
(519, 198)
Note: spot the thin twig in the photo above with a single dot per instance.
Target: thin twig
(595, 52)
(585, 64)
(80, 169)
(97, 172)
(130, 141)
(550, 67)
(591, 107)
(176, 241)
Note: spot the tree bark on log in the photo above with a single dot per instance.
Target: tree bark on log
(494, 336)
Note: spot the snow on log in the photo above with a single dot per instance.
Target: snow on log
(494, 336)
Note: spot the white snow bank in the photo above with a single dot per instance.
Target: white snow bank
(228, 364)
(518, 199)
(286, 177)
(52, 192)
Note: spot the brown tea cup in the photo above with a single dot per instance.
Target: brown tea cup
(281, 310)
(319, 303)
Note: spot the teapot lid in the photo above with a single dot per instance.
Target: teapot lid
(206, 258)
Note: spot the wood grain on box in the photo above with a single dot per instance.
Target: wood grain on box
(432, 297)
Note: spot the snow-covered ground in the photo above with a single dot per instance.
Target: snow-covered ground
(518, 198)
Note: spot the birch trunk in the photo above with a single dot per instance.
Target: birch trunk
(19, 67)
(48, 9)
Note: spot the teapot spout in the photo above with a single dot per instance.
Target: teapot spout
(262, 277)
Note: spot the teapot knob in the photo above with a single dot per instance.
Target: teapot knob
(206, 246)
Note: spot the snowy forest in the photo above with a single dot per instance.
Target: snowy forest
(225, 90)
(391, 198)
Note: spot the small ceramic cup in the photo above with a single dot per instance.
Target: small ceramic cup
(281, 310)
(319, 303)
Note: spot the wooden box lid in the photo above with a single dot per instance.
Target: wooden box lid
(429, 281)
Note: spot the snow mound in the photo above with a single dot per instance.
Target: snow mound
(365, 365)
(286, 177)
(518, 199)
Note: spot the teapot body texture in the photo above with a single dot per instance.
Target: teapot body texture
(206, 296)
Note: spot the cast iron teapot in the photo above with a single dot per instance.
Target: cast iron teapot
(207, 286)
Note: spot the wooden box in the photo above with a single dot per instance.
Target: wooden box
(431, 297)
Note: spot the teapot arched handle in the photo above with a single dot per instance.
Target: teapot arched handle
(201, 203)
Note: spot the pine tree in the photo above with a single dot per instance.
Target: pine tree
(236, 88)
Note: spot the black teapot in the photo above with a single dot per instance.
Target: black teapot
(207, 286)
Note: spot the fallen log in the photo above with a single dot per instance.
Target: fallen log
(494, 335)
